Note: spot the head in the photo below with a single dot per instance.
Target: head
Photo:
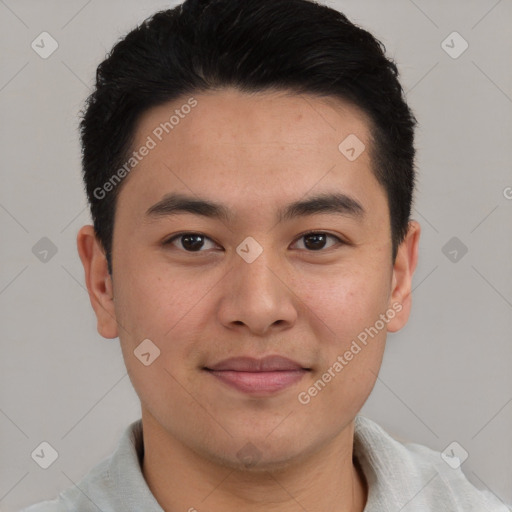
(276, 118)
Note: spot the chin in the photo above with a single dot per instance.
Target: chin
(258, 464)
(260, 455)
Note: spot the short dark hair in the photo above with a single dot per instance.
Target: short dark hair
(297, 46)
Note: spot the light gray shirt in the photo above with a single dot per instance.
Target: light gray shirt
(403, 477)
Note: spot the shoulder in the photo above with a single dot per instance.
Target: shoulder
(413, 476)
(92, 493)
(115, 484)
(99, 488)
(450, 480)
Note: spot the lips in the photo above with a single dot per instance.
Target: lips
(258, 376)
(249, 364)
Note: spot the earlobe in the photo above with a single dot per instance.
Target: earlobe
(98, 281)
(403, 271)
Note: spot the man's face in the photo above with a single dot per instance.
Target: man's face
(204, 299)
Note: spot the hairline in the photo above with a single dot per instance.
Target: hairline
(328, 99)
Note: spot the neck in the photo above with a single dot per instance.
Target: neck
(183, 480)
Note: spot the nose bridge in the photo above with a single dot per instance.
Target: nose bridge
(257, 295)
(258, 274)
(256, 270)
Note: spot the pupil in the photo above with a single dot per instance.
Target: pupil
(192, 242)
(318, 243)
(195, 242)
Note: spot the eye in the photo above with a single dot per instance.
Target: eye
(194, 242)
(316, 240)
(191, 242)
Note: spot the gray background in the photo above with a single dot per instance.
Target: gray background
(446, 376)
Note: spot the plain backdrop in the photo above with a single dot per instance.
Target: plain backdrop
(445, 377)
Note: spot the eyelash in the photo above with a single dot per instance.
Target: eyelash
(303, 235)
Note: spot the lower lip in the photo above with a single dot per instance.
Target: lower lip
(259, 382)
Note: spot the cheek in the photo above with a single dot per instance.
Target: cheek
(346, 300)
(165, 310)
(345, 310)
(155, 302)
(172, 310)
(350, 350)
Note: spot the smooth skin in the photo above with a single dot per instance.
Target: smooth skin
(254, 153)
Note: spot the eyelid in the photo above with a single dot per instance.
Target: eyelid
(172, 238)
(340, 240)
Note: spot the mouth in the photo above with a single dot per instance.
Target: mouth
(258, 376)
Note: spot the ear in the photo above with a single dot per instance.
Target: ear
(403, 270)
(98, 281)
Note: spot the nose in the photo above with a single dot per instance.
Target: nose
(258, 297)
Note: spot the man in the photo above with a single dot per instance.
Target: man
(250, 170)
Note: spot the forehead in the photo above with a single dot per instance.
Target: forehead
(230, 116)
(250, 146)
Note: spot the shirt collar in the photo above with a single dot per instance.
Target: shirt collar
(126, 466)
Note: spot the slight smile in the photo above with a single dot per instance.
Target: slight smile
(258, 376)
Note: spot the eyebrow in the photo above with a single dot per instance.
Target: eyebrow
(327, 203)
